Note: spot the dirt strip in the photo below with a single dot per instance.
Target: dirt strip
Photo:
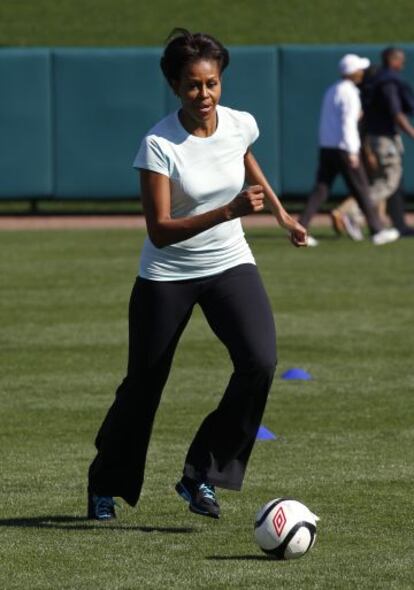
(40, 222)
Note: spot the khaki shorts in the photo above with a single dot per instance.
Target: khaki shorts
(386, 180)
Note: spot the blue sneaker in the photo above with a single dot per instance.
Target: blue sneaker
(100, 507)
(201, 497)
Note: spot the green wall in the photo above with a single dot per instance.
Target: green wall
(25, 123)
(71, 120)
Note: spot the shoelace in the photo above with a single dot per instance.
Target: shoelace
(105, 505)
(208, 491)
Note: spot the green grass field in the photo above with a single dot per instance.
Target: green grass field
(345, 446)
(135, 22)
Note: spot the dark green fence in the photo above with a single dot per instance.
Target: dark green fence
(71, 119)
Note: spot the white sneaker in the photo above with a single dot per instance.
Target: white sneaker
(352, 228)
(311, 242)
(385, 236)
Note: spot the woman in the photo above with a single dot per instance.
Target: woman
(193, 165)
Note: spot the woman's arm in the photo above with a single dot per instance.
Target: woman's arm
(164, 231)
(254, 174)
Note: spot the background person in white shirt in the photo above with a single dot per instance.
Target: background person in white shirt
(193, 165)
(340, 145)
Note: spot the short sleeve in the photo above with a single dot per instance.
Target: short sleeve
(152, 156)
(250, 129)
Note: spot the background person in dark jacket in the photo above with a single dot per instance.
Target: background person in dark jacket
(387, 105)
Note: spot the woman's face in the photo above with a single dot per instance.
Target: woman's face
(199, 89)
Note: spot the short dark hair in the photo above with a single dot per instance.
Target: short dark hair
(184, 48)
(389, 53)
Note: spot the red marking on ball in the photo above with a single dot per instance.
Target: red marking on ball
(279, 521)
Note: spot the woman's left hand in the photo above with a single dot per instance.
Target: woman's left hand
(298, 234)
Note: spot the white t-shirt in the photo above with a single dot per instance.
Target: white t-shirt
(341, 110)
(205, 173)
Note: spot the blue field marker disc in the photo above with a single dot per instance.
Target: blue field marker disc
(264, 434)
(296, 373)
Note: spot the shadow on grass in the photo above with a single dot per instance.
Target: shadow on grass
(83, 523)
(239, 558)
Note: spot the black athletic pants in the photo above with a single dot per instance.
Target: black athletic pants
(331, 163)
(237, 309)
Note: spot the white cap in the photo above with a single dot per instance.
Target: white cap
(351, 63)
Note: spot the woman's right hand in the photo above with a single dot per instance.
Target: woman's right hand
(248, 201)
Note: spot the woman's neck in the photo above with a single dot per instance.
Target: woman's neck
(198, 128)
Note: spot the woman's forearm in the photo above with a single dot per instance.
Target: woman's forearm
(254, 175)
(165, 232)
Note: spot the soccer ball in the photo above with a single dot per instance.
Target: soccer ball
(285, 528)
